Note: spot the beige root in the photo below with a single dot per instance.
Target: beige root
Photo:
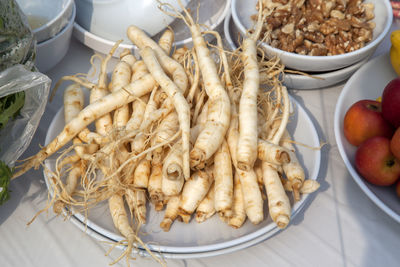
(73, 104)
(171, 213)
(308, 187)
(218, 117)
(166, 40)
(247, 143)
(70, 185)
(194, 190)
(223, 181)
(141, 174)
(90, 113)
(120, 219)
(181, 106)
(121, 77)
(154, 187)
(206, 208)
(252, 197)
(238, 209)
(171, 187)
(172, 166)
(278, 201)
(165, 130)
(272, 153)
(141, 40)
(293, 169)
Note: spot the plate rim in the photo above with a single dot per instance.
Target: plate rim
(356, 177)
(296, 208)
(141, 252)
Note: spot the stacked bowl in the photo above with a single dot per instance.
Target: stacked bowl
(318, 70)
(51, 22)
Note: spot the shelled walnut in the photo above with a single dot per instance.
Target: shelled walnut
(318, 27)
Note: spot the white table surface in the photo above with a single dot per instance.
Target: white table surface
(339, 227)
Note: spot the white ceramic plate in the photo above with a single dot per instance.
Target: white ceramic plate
(367, 83)
(297, 81)
(211, 14)
(213, 234)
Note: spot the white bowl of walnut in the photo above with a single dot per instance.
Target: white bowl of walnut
(317, 35)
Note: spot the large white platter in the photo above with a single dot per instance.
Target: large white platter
(367, 83)
(212, 235)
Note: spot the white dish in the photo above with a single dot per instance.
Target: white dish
(54, 15)
(110, 19)
(211, 14)
(297, 81)
(51, 51)
(213, 234)
(242, 10)
(367, 83)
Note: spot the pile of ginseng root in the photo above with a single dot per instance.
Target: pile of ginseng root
(189, 132)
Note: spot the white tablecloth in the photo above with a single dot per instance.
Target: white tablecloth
(340, 226)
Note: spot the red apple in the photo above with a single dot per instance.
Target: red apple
(364, 120)
(395, 144)
(376, 163)
(391, 102)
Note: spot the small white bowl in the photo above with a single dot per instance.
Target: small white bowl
(52, 15)
(242, 10)
(211, 15)
(297, 81)
(51, 51)
(109, 19)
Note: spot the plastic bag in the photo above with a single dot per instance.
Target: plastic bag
(18, 73)
(17, 134)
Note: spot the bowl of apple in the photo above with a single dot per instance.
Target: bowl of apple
(367, 132)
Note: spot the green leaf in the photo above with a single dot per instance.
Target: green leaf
(10, 106)
(5, 177)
